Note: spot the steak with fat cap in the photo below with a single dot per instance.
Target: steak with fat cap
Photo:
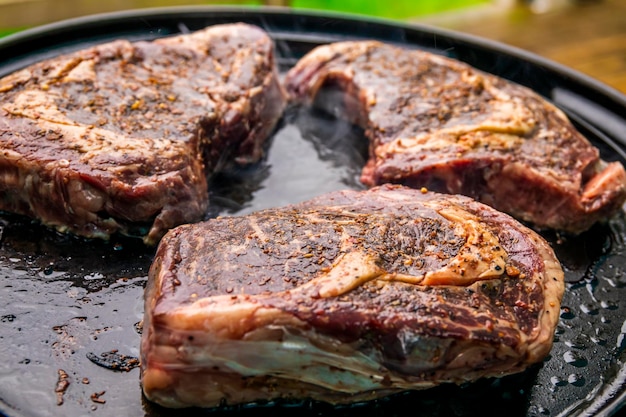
(120, 137)
(436, 122)
(348, 297)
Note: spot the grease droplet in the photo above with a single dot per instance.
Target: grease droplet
(543, 410)
(574, 359)
(566, 313)
(598, 340)
(589, 309)
(558, 381)
(576, 380)
(578, 342)
(609, 305)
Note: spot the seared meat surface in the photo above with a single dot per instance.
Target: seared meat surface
(120, 137)
(347, 297)
(438, 123)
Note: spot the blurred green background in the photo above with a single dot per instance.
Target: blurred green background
(19, 14)
(395, 9)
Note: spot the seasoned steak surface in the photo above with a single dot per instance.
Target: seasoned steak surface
(439, 123)
(120, 137)
(349, 296)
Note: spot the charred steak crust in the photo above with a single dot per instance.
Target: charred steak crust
(439, 123)
(347, 297)
(121, 136)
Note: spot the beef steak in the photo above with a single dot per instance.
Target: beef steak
(438, 123)
(347, 297)
(121, 136)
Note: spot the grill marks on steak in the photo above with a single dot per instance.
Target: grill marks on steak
(120, 137)
(347, 297)
(438, 123)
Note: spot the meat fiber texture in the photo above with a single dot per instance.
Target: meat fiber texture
(351, 296)
(438, 123)
(120, 137)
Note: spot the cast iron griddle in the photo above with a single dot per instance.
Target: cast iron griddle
(70, 309)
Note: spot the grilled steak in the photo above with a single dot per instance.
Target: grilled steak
(439, 123)
(347, 297)
(120, 137)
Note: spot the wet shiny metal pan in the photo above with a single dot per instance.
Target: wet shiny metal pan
(70, 309)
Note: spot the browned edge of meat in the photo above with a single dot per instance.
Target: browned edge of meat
(120, 137)
(438, 123)
(348, 297)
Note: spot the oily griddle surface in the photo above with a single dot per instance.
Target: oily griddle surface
(71, 309)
